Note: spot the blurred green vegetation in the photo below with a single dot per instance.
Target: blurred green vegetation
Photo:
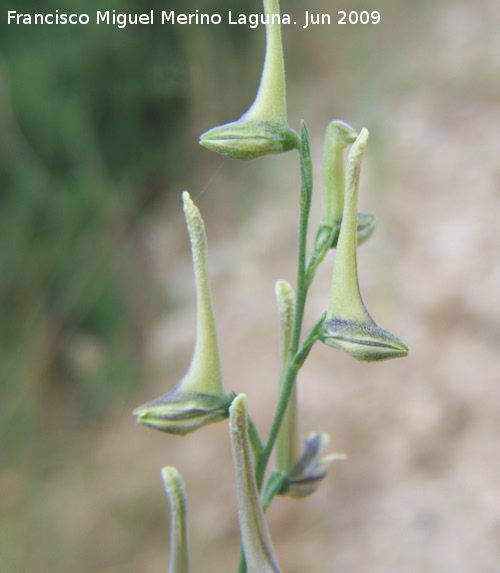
(93, 135)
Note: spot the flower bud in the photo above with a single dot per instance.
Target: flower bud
(300, 463)
(348, 325)
(311, 468)
(263, 128)
(249, 139)
(199, 397)
(288, 445)
(174, 488)
(178, 412)
(364, 341)
(257, 546)
(338, 136)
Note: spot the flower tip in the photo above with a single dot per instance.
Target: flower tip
(186, 200)
(363, 137)
(341, 132)
(358, 148)
(238, 408)
(171, 478)
(194, 221)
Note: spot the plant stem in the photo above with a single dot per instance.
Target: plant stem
(254, 437)
(272, 487)
(301, 290)
(305, 207)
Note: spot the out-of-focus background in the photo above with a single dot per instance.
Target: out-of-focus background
(98, 136)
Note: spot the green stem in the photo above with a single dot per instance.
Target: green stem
(324, 239)
(301, 290)
(305, 207)
(254, 437)
(272, 487)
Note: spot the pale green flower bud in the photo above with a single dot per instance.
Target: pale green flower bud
(288, 446)
(338, 136)
(311, 467)
(249, 140)
(179, 413)
(174, 488)
(263, 128)
(301, 463)
(257, 546)
(364, 341)
(348, 325)
(199, 398)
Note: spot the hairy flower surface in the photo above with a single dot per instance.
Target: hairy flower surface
(348, 325)
(199, 397)
(263, 128)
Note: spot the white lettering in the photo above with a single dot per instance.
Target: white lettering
(102, 16)
(194, 18)
(253, 20)
(167, 17)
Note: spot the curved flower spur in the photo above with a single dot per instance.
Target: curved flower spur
(199, 398)
(263, 128)
(348, 326)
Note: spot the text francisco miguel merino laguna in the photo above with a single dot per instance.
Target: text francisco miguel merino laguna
(121, 20)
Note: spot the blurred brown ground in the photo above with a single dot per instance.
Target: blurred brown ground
(420, 490)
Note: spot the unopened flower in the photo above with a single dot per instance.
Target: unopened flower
(348, 326)
(365, 341)
(257, 546)
(337, 137)
(178, 412)
(244, 139)
(263, 128)
(174, 488)
(288, 441)
(199, 397)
